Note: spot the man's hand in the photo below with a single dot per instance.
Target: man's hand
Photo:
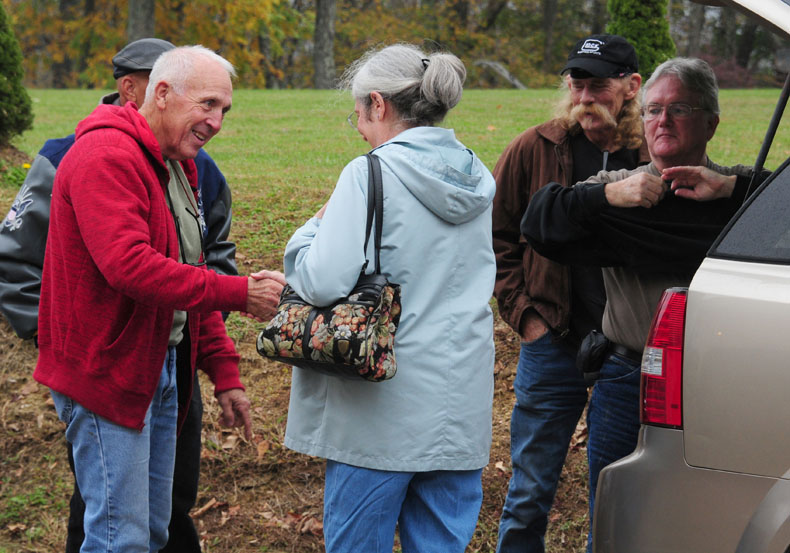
(532, 327)
(263, 294)
(699, 183)
(640, 189)
(235, 410)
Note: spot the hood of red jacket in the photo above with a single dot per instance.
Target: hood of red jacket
(128, 120)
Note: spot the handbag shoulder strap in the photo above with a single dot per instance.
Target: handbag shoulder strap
(375, 206)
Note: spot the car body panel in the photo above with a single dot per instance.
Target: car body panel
(643, 503)
(736, 368)
(768, 530)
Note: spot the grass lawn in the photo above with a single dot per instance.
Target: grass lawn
(281, 152)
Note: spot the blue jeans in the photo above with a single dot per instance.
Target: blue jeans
(436, 511)
(550, 398)
(125, 476)
(612, 419)
(182, 534)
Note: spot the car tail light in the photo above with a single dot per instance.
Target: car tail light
(662, 363)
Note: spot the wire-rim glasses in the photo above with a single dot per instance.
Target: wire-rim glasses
(352, 120)
(675, 111)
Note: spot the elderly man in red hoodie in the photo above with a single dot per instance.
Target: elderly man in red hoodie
(125, 281)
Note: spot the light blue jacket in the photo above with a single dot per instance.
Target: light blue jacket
(435, 414)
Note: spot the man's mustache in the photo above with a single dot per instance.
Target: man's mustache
(596, 110)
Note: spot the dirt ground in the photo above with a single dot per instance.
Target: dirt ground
(254, 496)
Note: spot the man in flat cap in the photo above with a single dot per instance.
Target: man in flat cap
(23, 236)
(552, 306)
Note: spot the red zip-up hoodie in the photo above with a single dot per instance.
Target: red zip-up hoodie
(112, 279)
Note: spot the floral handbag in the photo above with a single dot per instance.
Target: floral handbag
(354, 337)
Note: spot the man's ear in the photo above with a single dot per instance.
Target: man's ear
(712, 123)
(633, 84)
(128, 90)
(161, 91)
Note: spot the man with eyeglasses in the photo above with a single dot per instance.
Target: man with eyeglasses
(553, 306)
(649, 228)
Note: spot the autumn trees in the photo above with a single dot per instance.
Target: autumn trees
(307, 43)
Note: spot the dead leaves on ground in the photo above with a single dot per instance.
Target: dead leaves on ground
(305, 523)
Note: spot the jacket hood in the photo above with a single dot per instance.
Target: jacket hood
(447, 178)
(127, 120)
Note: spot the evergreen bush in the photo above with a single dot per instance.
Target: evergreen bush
(644, 23)
(16, 113)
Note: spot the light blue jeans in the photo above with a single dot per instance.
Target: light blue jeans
(435, 511)
(125, 476)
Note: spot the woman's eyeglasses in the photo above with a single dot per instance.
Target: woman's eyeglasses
(352, 120)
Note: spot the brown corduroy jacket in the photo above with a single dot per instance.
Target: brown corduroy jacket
(528, 284)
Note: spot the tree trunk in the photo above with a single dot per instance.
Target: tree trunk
(61, 71)
(491, 13)
(724, 35)
(696, 24)
(267, 63)
(461, 8)
(745, 44)
(82, 61)
(141, 20)
(549, 17)
(598, 17)
(324, 42)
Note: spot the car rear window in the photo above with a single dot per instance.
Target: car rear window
(761, 230)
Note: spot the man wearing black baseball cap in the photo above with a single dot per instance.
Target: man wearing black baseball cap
(22, 258)
(606, 56)
(552, 306)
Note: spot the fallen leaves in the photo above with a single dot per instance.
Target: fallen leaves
(500, 466)
(16, 528)
(579, 438)
(226, 513)
(263, 447)
(305, 523)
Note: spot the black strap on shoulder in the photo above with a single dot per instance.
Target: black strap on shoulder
(375, 205)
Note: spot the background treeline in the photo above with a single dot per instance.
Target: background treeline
(306, 43)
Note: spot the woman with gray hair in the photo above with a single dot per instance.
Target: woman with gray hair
(408, 451)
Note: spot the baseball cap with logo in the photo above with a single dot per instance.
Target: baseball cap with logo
(139, 55)
(606, 56)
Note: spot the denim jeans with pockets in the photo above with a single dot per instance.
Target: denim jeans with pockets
(550, 399)
(612, 419)
(125, 475)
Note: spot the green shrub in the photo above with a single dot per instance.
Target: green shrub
(16, 113)
(645, 24)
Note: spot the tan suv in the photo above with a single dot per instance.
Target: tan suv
(711, 472)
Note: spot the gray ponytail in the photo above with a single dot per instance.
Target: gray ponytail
(421, 87)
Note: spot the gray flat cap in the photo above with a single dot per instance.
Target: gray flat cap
(139, 55)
